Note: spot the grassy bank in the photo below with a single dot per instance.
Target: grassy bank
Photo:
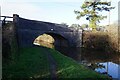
(68, 68)
(33, 63)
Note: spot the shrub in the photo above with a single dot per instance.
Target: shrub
(97, 41)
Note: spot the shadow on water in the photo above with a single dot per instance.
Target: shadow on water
(102, 62)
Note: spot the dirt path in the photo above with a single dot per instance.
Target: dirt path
(53, 65)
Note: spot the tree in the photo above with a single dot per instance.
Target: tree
(64, 24)
(84, 26)
(75, 25)
(91, 9)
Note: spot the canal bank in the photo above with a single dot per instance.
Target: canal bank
(33, 63)
(99, 61)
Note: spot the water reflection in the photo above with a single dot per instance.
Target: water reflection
(102, 62)
(105, 63)
(110, 68)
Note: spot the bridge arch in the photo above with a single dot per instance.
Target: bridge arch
(27, 31)
(54, 38)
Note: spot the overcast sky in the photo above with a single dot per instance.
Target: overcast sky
(56, 11)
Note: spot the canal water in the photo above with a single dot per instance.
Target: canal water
(101, 62)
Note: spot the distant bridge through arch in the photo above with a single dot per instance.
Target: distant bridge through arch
(28, 30)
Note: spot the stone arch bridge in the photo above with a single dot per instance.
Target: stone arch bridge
(28, 30)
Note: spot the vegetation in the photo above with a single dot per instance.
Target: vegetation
(9, 42)
(96, 40)
(44, 37)
(68, 68)
(64, 24)
(75, 25)
(102, 41)
(33, 63)
(92, 9)
(113, 33)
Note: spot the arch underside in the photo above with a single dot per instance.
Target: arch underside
(59, 40)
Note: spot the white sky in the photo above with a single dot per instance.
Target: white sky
(56, 11)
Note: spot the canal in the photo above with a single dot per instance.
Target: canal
(101, 62)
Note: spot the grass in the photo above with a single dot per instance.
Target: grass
(68, 68)
(33, 63)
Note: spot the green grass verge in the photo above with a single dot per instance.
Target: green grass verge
(68, 68)
(33, 63)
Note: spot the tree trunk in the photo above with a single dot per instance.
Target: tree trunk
(92, 25)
